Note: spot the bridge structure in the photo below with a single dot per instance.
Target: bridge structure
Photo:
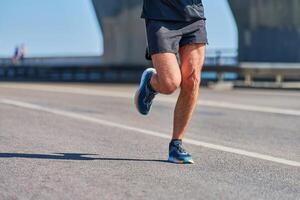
(269, 32)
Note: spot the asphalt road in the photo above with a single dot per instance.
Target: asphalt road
(76, 141)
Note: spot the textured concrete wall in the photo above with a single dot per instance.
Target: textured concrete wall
(123, 31)
(269, 30)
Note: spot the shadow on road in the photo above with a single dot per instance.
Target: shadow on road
(72, 156)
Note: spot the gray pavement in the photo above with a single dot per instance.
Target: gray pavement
(44, 155)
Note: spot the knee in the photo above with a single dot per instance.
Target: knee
(170, 86)
(191, 82)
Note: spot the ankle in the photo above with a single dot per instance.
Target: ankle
(174, 141)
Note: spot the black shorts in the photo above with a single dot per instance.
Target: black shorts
(169, 36)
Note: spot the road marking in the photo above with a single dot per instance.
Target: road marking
(268, 93)
(253, 108)
(149, 132)
(117, 94)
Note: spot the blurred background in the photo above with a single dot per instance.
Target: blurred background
(69, 128)
(252, 43)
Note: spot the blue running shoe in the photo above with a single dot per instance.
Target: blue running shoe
(145, 94)
(177, 154)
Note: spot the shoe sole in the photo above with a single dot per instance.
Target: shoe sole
(176, 161)
(137, 93)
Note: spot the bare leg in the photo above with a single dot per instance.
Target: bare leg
(192, 59)
(168, 76)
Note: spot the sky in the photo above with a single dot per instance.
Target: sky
(221, 26)
(70, 27)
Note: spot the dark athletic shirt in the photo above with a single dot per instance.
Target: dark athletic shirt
(173, 10)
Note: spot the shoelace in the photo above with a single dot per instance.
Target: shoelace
(180, 148)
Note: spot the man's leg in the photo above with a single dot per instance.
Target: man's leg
(192, 59)
(165, 79)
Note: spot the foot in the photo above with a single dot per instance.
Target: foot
(177, 153)
(145, 94)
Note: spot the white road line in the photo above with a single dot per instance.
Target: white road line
(263, 109)
(208, 103)
(149, 132)
(268, 93)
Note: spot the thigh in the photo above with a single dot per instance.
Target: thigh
(166, 66)
(192, 59)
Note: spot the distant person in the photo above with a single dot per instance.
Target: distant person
(15, 57)
(174, 27)
(23, 52)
